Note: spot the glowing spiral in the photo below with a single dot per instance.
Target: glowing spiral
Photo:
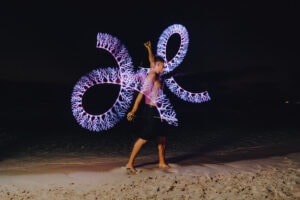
(131, 81)
(175, 61)
(105, 76)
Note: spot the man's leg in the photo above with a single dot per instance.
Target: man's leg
(136, 148)
(161, 152)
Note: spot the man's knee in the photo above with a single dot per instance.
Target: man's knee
(160, 146)
(142, 141)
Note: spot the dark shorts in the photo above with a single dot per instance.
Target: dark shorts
(150, 124)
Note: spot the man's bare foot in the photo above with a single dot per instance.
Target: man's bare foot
(164, 166)
(130, 170)
(129, 167)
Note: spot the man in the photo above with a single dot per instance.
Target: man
(152, 126)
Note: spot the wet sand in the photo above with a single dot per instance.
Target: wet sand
(205, 164)
(208, 175)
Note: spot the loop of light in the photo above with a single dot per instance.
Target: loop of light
(130, 81)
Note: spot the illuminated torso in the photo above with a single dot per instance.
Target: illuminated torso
(151, 90)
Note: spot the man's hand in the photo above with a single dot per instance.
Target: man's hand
(147, 44)
(130, 116)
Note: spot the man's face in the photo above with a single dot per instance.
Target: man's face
(159, 67)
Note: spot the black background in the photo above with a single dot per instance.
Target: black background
(245, 54)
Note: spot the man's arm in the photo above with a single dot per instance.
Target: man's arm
(137, 102)
(150, 53)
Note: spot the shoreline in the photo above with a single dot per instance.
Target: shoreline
(92, 177)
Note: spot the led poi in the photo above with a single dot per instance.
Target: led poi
(130, 81)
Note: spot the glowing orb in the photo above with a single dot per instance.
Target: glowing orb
(130, 81)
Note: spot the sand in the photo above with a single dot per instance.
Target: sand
(89, 176)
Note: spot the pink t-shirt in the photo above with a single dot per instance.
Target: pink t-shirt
(150, 90)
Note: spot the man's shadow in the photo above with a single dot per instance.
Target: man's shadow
(225, 148)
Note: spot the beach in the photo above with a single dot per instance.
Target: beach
(252, 170)
(68, 79)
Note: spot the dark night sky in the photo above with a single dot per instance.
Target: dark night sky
(243, 50)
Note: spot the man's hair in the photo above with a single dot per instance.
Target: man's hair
(158, 58)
